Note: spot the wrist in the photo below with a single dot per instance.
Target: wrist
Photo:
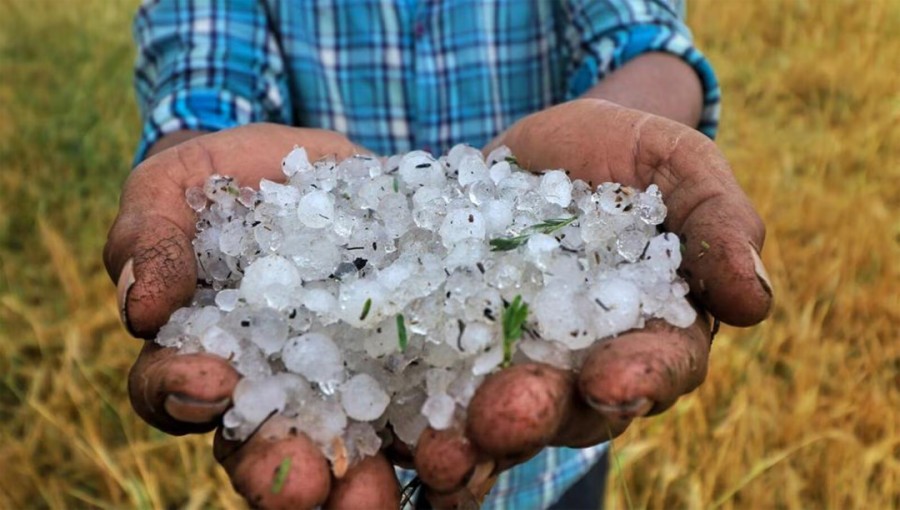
(172, 139)
(657, 83)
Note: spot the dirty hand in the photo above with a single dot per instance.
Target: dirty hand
(520, 410)
(149, 254)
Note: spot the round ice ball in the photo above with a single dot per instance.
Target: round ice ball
(314, 356)
(363, 399)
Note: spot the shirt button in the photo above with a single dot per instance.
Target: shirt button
(419, 29)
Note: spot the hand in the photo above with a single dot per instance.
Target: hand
(520, 410)
(149, 253)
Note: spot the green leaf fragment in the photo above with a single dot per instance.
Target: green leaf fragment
(281, 475)
(507, 243)
(396, 184)
(365, 311)
(401, 332)
(704, 244)
(547, 227)
(512, 160)
(514, 317)
(551, 226)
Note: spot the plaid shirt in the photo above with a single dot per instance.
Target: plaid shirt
(392, 75)
(396, 76)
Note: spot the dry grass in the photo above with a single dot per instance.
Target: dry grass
(800, 412)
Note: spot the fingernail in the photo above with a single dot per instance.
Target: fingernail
(761, 272)
(341, 463)
(482, 479)
(192, 410)
(126, 280)
(626, 410)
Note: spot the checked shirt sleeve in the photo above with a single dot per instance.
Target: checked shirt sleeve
(606, 34)
(206, 65)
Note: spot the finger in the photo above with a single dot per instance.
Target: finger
(180, 394)
(371, 483)
(445, 459)
(645, 371)
(155, 226)
(517, 411)
(277, 468)
(722, 233)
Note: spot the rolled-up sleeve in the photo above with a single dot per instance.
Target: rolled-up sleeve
(206, 65)
(606, 34)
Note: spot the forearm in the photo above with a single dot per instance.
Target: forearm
(656, 83)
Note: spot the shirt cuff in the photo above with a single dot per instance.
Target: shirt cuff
(194, 109)
(619, 47)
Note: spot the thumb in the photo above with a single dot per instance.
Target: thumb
(155, 225)
(148, 250)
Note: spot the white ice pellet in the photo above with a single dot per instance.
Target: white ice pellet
(220, 342)
(196, 199)
(363, 399)
(295, 161)
(314, 356)
(476, 337)
(559, 310)
(405, 415)
(202, 319)
(268, 330)
(631, 244)
(556, 188)
(270, 281)
(316, 209)
(499, 171)
(251, 363)
(613, 198)
(551, 353)
(227, 299)
(320, 301)
(679, 313)
(617, 305)
(256, 399)
(462, 224)
(472, 170)
(362, 440)
(439, 408)
(322, 420)
(438, 379)
(501, 153)
(498, 214)
(418, 168)
(650, 207)
(231, 238)
(461, 151)
(486, 362)
(539, 249)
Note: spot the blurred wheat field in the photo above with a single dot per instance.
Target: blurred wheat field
(800, 412)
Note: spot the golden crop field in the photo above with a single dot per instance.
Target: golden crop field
(800, 412)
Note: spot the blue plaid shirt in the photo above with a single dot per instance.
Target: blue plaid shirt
(396, 76)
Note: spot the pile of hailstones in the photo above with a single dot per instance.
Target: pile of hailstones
(381, 291)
